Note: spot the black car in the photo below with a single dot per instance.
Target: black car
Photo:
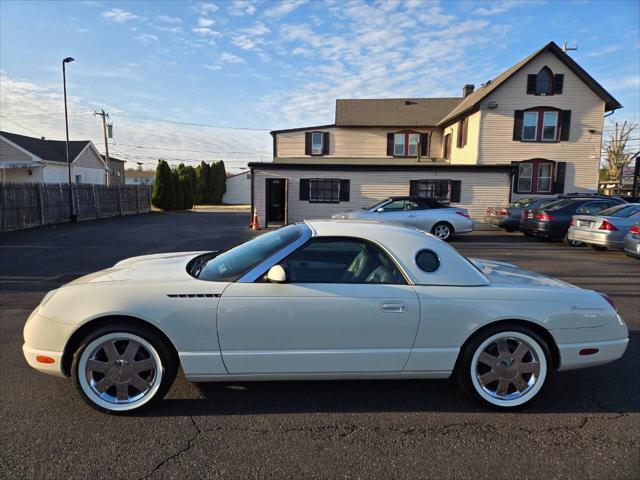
(553, 220)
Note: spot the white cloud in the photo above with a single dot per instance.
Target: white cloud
(204, 8)
(205, 22)
(146, 38)
(603, 51)
(206, 32)
(227, 57)
(213, 68)
(119, 16)
(242, 7)
(258, 28)
(502, 6)
(283, 8)
(168, 19)
(628, 82)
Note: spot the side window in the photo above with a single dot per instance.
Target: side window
(591, 207)
(427, 260)
(341, 260)
(394, 206)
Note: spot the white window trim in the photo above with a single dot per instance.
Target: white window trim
(415, 145)
(535, 126)
(555, 127)
(315, 151)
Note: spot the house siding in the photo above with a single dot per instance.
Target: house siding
(467, 155)
(350, 143)
(10, 154)
(238, 190)
(581, 152)
(479, 190)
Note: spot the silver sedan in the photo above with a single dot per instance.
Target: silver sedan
(632, 241)
(424, 213)
(607, 229)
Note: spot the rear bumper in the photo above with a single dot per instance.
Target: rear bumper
(608, 351)
(543, 229)
(603, 238)
(503, 222)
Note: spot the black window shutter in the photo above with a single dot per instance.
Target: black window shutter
(558, 81)
(325, 143)
(275, 146)
(561, 170)
(456, 190)
(307, 143)
(424, 144)
(515, 177)
(566, 125)
(344, 190)
(304, 189)
(390, 144)
(459, 135)
(531, 84)
(518, 121)
(414, 188)
(428, 154)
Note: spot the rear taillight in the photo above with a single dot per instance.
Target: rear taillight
(523, 215)
(503, 212)
(634, 229)
(544, 217)
(573, 221)
(609, 300)
(464, 214)
(489, 211)
(608, 226)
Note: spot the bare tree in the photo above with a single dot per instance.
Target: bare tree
(617, 155)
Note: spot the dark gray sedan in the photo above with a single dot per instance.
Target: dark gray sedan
(607, 229)
(632, 241)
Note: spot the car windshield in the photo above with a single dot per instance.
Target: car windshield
(558, 205)
(232, 264)
(523, 202)
(374, 205)
(622, 211)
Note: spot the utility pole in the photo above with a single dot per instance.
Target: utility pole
(104, 116)
(72, 214)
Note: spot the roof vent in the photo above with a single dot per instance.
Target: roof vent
(409, 102)
(42, 138)
(467, 90)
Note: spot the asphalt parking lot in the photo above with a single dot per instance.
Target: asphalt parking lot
(585, 424)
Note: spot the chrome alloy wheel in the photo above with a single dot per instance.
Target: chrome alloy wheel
(508, 369)
(120, 371)
(442, 231)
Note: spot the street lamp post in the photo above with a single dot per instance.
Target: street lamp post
(72, 215)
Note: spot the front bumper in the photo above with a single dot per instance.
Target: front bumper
(31, 354)
(603, 238)
(608, 351)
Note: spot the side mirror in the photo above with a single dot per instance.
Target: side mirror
(379, 209)
(277, 274)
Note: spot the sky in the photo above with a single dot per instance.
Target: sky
(191, 81)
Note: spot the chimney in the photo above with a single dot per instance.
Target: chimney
(467, 90)
(42, 138)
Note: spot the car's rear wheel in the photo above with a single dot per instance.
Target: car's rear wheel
(443, 230)
(573, 243)
(122, 369)
(504, 367)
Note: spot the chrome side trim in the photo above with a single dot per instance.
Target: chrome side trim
(260, 269)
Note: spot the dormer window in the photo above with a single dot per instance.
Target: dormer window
(545, 83)
(542, 124)
(316, 143)
(405, 144)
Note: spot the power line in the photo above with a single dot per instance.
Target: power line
(192, 124)
(20, 125)
(191, 151)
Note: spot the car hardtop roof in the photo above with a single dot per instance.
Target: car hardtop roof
(411, 197)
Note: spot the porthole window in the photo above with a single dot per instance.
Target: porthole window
(427, 261)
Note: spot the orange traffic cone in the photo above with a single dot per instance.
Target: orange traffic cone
(255, 225)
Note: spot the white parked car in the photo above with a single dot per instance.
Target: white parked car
(322, 299)
(424, 213)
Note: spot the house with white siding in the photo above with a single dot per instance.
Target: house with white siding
(534, 130)
(26, 159)
(238, 189)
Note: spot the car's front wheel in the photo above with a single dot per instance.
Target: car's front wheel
(504, 367)
(443, 230)
(122, 369)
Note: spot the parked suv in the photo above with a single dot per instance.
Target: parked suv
(553, 220)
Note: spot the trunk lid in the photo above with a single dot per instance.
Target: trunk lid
(504, 273)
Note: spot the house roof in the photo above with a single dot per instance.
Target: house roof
(131, 173)
(471, 101)
(393, 112)
(51, 150)
(112, 159)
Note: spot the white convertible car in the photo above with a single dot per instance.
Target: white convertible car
(322, 299)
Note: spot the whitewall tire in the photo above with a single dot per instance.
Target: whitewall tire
(505, 368)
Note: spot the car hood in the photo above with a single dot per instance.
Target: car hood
(504, 273)
(352, 214)
(158, 267)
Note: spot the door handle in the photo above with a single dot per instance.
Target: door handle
(412, 216)
(392, 307)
